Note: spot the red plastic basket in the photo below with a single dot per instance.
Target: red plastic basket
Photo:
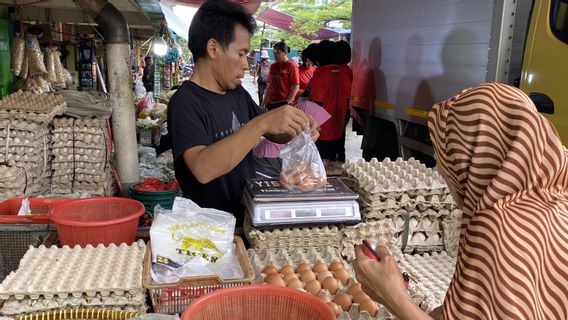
(39, 207)
(258, 302)
(97, 220)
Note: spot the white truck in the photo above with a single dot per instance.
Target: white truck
(410, 54)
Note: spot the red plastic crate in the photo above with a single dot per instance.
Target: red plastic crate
(39, 206)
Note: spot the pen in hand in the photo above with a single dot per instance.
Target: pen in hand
(369, 252)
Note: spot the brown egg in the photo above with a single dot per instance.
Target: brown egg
(342, 275)
(353, 289)
(370, 306)
(275, 279)
(344, 300)
(323, 275)
(307, 276)
(360, 297)
(320, 267)
(331, 284)
(287, 269)
(313, 287)
(303, 267)
(334, 308)
(290, 276)
(323, 297)
(295, 284)
(269, 269)
(336, 265)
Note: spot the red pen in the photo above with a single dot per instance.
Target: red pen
(369, 252)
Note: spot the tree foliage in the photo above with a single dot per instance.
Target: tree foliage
(308, 19)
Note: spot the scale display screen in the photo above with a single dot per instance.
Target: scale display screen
(306, 213)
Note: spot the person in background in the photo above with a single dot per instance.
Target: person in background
(283, 79)
(148, 74)
(331, 88)
(507, 169)
(261, 74)
(213, 121)
(306, 71)
(296, 60)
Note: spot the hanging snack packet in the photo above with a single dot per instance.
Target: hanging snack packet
(17, 59)
(35, 56)
(302, 168)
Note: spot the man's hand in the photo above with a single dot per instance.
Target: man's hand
(314, 129)
(284, 120)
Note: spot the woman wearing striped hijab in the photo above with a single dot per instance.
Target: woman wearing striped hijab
(507, 169)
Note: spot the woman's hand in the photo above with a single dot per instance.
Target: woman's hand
(383, 282)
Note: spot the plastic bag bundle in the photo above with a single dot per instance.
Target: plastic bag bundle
(18, 52)
(59, 76)
(302, 168)
(35, 56)
(24, 70)
(49, 65)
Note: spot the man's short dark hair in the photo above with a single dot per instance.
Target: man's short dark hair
(217, 19)
(148, 58)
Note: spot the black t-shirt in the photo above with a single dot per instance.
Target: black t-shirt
(197, 116)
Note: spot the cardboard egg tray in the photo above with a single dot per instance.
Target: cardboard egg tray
(73, 272)
(452, 229)
(302, 237)
(393, 178)
(32, 107)
(294, 257)
(127, 301)
(80, 159)
(434, 273)
(382, 231)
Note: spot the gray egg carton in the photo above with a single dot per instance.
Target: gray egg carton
(127, 301)
(434, 273)
(64, 272)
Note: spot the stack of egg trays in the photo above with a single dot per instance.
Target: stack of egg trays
(81, 163)
(434, 273)
(57, 278)
(296, 237)
(382, 231)
(452, 229)
(37, 108)
(25, 145)
(391, 179)
(13, 182)
(295, 256)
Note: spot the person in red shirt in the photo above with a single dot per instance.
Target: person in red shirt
(283, 79)
(331, 88)
(306, 71)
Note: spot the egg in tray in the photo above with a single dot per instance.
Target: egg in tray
(321, 272)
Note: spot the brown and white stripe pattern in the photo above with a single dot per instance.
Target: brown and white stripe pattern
(508, 163)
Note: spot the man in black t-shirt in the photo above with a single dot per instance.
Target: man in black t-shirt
(213, 121)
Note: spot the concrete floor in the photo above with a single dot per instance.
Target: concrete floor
(352, 140)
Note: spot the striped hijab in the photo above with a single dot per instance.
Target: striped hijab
(509, 165)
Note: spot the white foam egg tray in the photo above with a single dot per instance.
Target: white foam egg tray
(63, 272)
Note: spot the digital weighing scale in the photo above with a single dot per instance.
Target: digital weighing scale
(270, 205)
